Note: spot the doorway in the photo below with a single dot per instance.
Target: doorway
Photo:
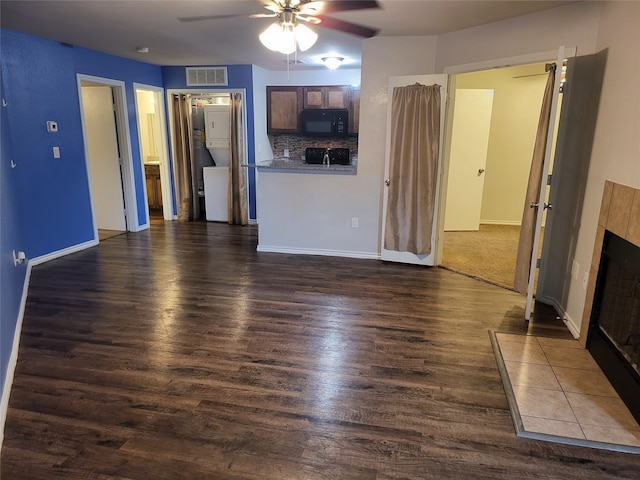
(154, 153)
(485, 246)
(106, 154)
(208, 177)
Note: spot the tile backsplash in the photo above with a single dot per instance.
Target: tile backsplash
(297, 145)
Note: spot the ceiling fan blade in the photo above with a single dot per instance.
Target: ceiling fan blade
(207, 17)
(348, 27)
(343, 5)
(263, 15)
(313, 20)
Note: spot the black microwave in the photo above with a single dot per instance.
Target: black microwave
(324, 123)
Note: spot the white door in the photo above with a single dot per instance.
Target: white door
(104, 160)
(408, 257)
(468, 158)
(543, 186)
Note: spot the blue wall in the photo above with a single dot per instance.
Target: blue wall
(11, 278)
(45, 204)
(239, 76)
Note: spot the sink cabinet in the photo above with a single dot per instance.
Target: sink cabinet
(154, 189)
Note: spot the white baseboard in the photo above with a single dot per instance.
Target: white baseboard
(63, 252)
(326, 253)
(13, 359)
(500, 222)
(571, 325)
(566, 319)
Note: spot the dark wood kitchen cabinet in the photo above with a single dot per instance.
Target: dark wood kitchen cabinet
(154, 189)
(354, 111)
(327, 97)
(283, 109)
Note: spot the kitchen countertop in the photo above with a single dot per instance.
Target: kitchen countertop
(298, 166)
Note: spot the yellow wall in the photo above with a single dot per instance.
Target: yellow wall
(517, 100)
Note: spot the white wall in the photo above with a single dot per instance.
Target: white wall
(312, 212)
(616, 149)
(574, 25)
(324, 208)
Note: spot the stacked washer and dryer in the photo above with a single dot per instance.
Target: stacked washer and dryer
(215, 175)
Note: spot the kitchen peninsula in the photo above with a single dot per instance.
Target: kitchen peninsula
(285, 165)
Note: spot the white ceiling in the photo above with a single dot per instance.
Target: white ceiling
(118, 27)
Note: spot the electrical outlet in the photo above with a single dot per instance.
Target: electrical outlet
(354, 222)
(585, 280)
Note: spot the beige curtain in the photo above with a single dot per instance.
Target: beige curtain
(237, 204)
(187, 190)
(413, 168)
(536, 174)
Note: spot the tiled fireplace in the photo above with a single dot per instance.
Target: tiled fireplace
(611, 324)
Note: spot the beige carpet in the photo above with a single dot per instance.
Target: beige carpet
(488, 254)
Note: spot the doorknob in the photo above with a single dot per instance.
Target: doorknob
(387, 182)
(533, 205)
(548, 206)
(480, 171)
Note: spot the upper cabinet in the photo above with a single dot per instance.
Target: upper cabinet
(284, 105)
(283, 108)
(354, 111)
(334, 97)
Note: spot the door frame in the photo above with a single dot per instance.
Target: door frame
(171, 130)
(452, 71)
(124, 144)
(165, 171)
(408, 257)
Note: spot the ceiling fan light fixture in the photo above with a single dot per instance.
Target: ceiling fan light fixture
(286, 34)
(272, 36)
(332, 62)
(305, 37)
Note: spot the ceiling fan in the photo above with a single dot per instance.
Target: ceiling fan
(289, 12)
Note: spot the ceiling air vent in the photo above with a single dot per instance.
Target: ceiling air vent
(210, 76)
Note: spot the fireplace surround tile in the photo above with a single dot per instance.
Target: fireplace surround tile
(619, 213)
(606, 203)
(633, 232)
(620, 210)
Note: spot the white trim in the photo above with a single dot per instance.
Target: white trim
(13, 359)
(165, 171)
(124, 139)
(566, 319)
(571, 325)
(500, 222)
(208, 91)
(325, 253)
(509, 61)
(61, 253)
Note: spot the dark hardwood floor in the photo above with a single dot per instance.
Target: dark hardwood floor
(182, 353)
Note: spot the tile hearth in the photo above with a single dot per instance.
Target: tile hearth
(557, 392)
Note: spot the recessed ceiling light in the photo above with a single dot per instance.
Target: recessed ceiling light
(142, 49)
